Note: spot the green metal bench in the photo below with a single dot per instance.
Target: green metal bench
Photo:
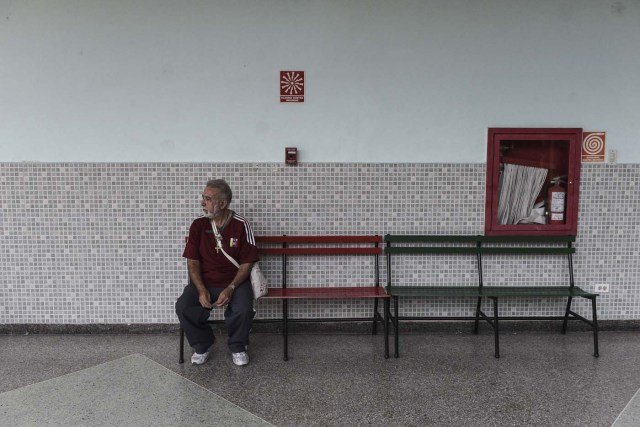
(479, 247)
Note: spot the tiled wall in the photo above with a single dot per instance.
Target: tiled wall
(85, 243)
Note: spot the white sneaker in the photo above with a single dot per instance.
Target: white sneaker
(199, 359)
(240, 359)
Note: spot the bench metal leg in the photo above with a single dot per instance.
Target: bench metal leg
(374, 329)
(385, 322)
(181, 351)
(477, 322)
(396, 330)
(595, 327)
(386, 328)
(495, 327)
(566, 316)
(285, 331)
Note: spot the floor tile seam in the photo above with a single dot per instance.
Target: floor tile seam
(635, 395)
(71, 373)
(134, 355)
(205, 389)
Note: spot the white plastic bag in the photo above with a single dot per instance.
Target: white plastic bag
(258, 282)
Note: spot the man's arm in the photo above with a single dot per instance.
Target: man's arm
(193, 266)
(241, 276)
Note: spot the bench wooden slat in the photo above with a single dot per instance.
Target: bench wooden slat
(320, 251)
(551, 245)
(434, 291)
(483, 250)
(319, 239)
(429, 238)
(535, 291)
(526, 250)
(487, 291)
(430, 250)
(327, 293)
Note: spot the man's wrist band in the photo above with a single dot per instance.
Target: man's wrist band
(233, 287)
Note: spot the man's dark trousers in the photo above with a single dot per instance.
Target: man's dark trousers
(237, 317)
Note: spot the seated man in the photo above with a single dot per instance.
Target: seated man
(215, 281)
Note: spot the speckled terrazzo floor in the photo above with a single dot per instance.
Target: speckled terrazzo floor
(441, 379)
(132, 391)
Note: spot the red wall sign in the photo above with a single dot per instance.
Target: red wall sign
(291, 86)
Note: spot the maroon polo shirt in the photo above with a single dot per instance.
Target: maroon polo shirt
(237, 240)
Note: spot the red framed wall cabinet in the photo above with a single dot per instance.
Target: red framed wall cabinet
(533, 177)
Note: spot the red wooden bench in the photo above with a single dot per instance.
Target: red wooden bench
(287, 247)
(312, 247)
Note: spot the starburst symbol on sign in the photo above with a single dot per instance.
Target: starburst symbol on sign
(292, 83)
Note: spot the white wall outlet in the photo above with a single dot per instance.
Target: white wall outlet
(602, 288)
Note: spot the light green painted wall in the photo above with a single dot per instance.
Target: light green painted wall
(387, 81)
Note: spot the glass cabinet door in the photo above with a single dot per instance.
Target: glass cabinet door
(532, 181)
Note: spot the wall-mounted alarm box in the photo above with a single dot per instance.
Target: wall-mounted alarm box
(291, 156)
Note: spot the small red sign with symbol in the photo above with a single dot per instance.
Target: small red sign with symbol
(291, 86)
(593, 147)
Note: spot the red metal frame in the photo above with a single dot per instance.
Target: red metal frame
(311, 240)
(319, 251)
(318, 239)
(326, 293)
(495, 136)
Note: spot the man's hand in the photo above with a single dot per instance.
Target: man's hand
(205, 300)
(196, 278)
(224, 297)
